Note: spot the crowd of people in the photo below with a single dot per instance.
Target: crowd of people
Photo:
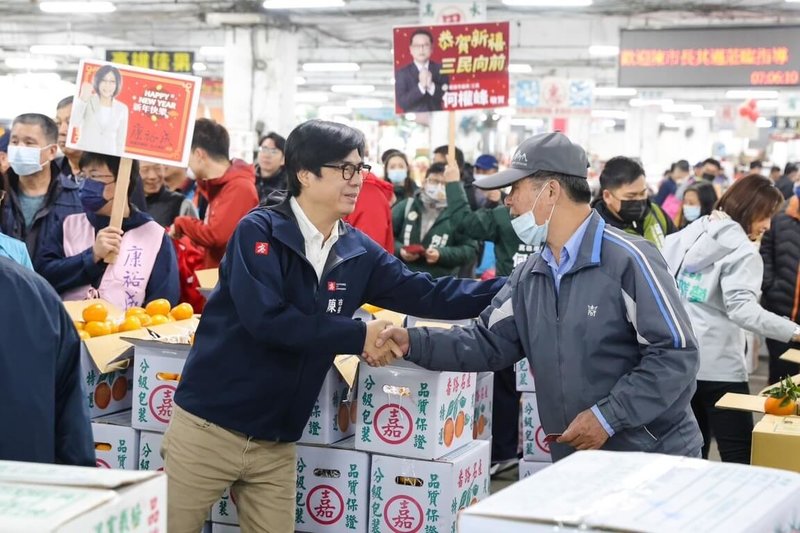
(632, 306)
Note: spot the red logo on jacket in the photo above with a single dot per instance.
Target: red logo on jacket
(332, 286)
(262, 248)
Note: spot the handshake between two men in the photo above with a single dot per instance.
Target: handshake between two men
(384, 343)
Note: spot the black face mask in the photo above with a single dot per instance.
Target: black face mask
(633, 210)
(708, 177)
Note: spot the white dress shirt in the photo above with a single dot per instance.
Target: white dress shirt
(317, 251)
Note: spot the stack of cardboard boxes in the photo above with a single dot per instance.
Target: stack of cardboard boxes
(535, 448)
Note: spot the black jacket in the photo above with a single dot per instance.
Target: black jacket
(164, 205)
(268, 185)
(786, 186)
(780, 250)
(409, 97)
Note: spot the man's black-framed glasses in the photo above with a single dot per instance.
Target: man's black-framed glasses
(349, 169)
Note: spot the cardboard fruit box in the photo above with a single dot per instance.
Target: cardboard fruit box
(528, 468)
(534, 445)
(225, 511)
(484, 401)
(207, 279)
(116, 443)
(332, 488)
(46, 498)
(642, 492)
(409, 411)
(412, 495)
(157, 371)
(525, 382)
(150, 451)
(333, 417)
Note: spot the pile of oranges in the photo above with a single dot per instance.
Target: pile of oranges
(96, 323)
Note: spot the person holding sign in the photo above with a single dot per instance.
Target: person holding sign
(101, 119)
(418, 85)
(72, 254)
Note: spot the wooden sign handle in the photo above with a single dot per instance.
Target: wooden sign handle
(451, 142)
(120, 199)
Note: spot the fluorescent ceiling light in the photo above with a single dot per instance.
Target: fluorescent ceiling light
(675, 124)
(353, 89)
(527, 122)
(614, 91)
(746, 94)
(681, 108)
(77, 50)
(609, 123)
(609, 113)
(365, 103)
(299, 80)
(601, 50)
(666, 117)
(520, 68)
(642, 102)
(31, 63)
(763, 123)
(212, 51)
(311, 98)
(411, 116)
(548, 3)
(77, 7)
(768, 104)
(197, 66)
(302, 4)
(704, 113)
(334, 110)
(331, 67)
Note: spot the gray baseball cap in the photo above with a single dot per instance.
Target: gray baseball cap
(547, 151)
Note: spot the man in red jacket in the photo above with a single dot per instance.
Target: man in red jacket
(373, 212)
(229, 186)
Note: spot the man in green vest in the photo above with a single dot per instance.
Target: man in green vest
(624, 203)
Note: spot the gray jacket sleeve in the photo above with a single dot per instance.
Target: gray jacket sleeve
(669, 358)
(740, 282)
(188, 210)
(492, 344)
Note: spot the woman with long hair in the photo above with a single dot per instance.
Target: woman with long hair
(698, 201)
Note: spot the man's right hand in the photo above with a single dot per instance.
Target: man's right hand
(407, 257)
(452, 174)
(398, 336)
(494, 195)
(379, 355)
(86, 92)
(425, 78)
(108, 241)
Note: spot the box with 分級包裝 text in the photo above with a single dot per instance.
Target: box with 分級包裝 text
(332, 488)
(45, 498)
(416, 495)
(157, 368)
(525, 382)
(116, 443)
(409, 411)
(484, 401)
(150, 451)
(534, 443)
(528, 468)
(333, 416)
(643, 492)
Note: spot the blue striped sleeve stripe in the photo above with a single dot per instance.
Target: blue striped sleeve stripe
(678, 338)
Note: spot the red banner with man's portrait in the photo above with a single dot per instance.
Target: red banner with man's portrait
(451, 67)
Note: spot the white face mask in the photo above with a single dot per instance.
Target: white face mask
(25, 160)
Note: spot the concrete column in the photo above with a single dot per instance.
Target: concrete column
(238, 79)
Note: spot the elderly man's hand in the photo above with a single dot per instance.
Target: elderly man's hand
(584, 433)
(381, 355)
(399, 336)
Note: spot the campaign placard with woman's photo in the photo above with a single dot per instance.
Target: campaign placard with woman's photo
(133, 112)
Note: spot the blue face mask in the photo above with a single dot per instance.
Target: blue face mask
(397, 175)
(526, 228)
(25, 160)
(91, 195)
(691, 212)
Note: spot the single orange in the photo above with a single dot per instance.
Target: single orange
(130, 323)
(182, 311)
(113, 325)
(784, 406)
(145, 320)
(84, 335)
(133, 311)
(158, 307)
(97, 329)
(95, 313)
(78, 324)
(156, 320)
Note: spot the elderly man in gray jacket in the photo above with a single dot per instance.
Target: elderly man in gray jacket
(596, 313)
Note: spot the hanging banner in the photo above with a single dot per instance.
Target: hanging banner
(452, 11)
(179, 61)
(134, 112)
(452, 67)
(757, 56)
(554, 97)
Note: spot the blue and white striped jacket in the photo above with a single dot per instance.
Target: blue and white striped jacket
(615, 336)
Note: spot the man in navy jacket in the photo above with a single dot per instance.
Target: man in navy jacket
(43, 409)
(291, 279)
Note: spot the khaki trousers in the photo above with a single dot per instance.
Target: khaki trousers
(202, 459)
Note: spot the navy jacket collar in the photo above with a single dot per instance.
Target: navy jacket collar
(589, 250)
